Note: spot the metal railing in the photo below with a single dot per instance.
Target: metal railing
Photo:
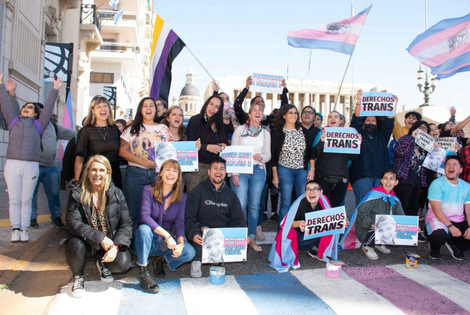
(89, 15)
(117, 47)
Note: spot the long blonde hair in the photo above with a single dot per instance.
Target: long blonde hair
(90, 119)
(87, 190)
(157, 188)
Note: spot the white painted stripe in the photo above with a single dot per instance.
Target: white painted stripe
(202, 297)
(158, 51)
(344, 295)
(452, 288)
(99, 298)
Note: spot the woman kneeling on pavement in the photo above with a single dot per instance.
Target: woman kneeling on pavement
(162, 209)
(99, 222)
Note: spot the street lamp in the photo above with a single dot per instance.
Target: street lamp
(424, 86)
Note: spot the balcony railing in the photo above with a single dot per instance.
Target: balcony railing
(89, 15)
(122, 48)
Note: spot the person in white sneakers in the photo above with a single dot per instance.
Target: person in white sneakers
(380, 200)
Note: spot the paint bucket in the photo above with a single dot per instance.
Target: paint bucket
(333, 269)
(411, 261)
(217, 275)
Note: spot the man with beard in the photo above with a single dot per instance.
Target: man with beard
(448, 217)
(211, 204)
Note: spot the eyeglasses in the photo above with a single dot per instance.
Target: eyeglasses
(314, 189)
(159, 105)
(308, 112)
(29, 106)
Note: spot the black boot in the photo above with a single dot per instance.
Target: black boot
(160, 267)
(146, 281)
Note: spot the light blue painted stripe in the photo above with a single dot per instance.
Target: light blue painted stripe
(340, 47)
(281, 293)
(168, 301)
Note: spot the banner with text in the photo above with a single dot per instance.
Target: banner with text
(239, 159)
(424, 140)
(378, 104)
(325, 222)
(396, 230)
(185, 152)
(342, 140)
(266, 83)
(447, 143)
(224, 245)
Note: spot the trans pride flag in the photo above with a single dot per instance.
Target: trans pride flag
(444, 47)
(166, 46)
(339, 36)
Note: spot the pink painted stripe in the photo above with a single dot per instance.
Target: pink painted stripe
(406, 294)
(438, 37)
(348, 38)
(453, 69)
(441, 58)
(461, 272)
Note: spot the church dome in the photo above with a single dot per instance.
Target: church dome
(189, 90)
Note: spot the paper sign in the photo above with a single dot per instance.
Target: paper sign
(187, 155)
(424, 140)
(377, 104)
(396, 230)
(266, 83)
(325, 222)
(342, 140)
(239, 159)
(447, 143)
(224, 245)
(436, 159)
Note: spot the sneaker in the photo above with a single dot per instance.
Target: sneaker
(34, 224)
(105, 273)
(456, 253)
(275, 216)
(15, 236)
(313, 252)
(196, 269)
(255, 247)
(434, 253)
(259, 234)
(148, 284)
(383, 249)
(422, 237)
(370, 252)
(78, 286)
(58, 222)
(24, 237)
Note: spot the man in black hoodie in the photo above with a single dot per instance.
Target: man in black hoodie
(211, 204)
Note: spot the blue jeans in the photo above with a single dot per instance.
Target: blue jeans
(136, 179)
(249, 192)
(288, 179)
(362, 186)
(146, 244)
(307, 244)
(50, 179)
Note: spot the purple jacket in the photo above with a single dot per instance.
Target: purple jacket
(152, 212)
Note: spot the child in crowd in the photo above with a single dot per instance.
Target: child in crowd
(380, 200)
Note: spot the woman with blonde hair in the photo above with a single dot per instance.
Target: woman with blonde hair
(161, 212)
(99, 135)
(174, 121)
(99, 223)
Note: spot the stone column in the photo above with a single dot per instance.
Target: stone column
(317, 102)
(327, 109)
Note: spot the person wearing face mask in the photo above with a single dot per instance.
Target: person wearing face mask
(365, 172)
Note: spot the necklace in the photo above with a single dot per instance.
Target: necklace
(105, 134)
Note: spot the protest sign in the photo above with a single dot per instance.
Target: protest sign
(342, 140)
(377, 104)
(325, 222)
(396, 230)
(434, 159)
(266, 83)
(224, 245)
(424, 140)
(447, 143)
(187, 155)
(238, 159)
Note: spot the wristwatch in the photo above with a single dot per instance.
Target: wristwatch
(450, 225)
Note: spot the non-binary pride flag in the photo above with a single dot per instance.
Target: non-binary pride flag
(444, 47)
(166, 46)
(339, 36)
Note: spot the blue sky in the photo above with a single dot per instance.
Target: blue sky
(237, 37)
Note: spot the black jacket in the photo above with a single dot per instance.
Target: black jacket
(277, 141)
(78, 219)
(207, 206)
(331, 164)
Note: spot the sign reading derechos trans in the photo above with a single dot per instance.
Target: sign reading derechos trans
(342, 140)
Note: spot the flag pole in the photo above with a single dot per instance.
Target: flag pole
(342, 80)
(212, 78)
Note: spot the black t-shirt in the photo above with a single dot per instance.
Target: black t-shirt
(414, 174)
(305, 207)
(99, 140)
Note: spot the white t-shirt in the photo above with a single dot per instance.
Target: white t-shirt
(144, 145)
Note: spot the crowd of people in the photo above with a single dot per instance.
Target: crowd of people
(128, 199)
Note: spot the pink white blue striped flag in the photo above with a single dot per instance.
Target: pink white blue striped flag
(339, 36)
(444, 47)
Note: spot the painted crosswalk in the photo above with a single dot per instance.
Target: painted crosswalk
(389, 289)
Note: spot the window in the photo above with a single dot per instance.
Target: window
(101, 77)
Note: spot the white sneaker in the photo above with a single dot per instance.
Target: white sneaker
(196, 269)
(24, 237)
(383, 249)
(15, 236)
(370, 252)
